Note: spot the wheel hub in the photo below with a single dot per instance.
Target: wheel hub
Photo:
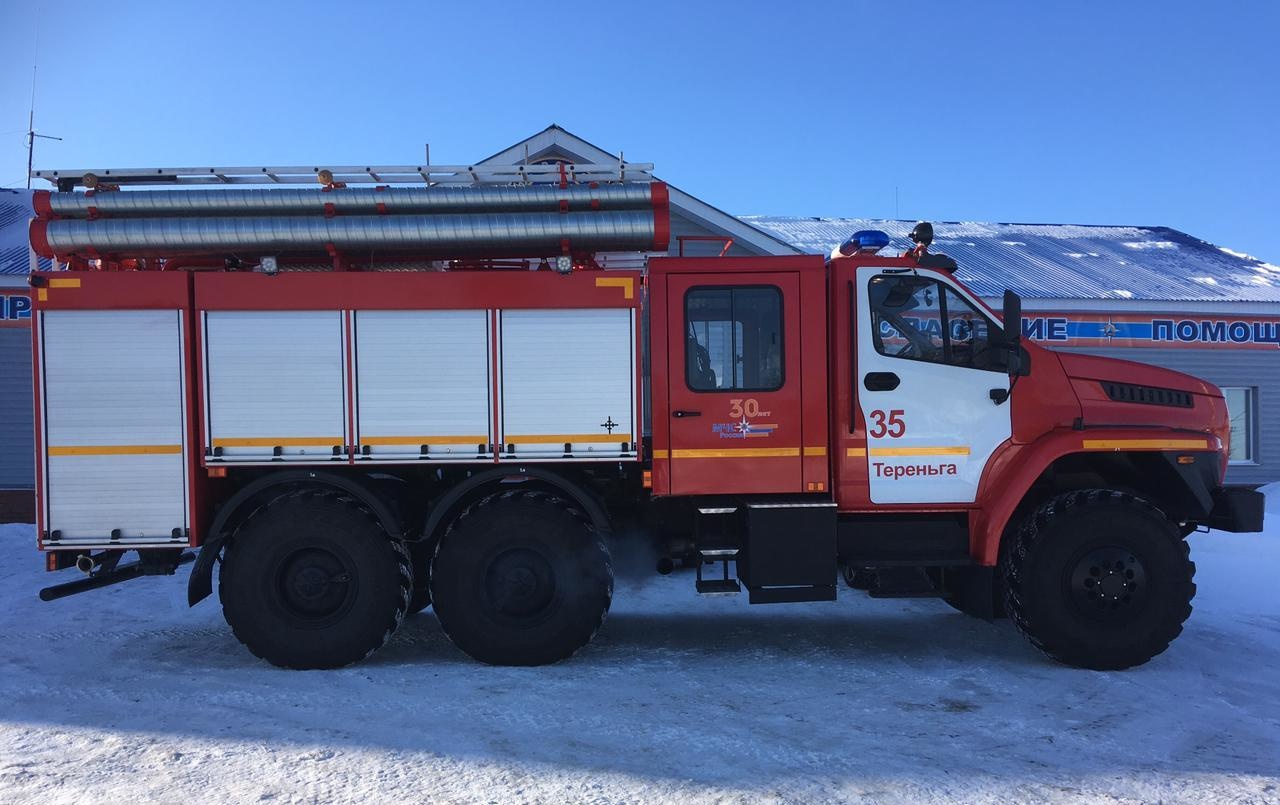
(314, 584)
(1109, 582)
(520, 583)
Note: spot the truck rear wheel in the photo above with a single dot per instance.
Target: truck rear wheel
(1099, 579)
(311, 580)
(521, 578)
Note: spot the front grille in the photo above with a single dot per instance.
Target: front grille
(1148, 395)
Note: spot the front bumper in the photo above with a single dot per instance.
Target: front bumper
(1237, 508)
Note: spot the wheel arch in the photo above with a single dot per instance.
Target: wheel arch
(446, 509)
(1021, 477)
(250, 497)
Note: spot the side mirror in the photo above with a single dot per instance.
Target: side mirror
(1015, 359)
(1012, 318)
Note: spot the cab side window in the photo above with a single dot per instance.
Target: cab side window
(733, 338)
(906, 318)
(921, 319)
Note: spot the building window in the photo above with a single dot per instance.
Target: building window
(1241, 408)
(733, 338)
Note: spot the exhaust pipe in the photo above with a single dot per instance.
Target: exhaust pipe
(87, 564)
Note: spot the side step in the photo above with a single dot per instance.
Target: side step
(792, 595)
(720, 586)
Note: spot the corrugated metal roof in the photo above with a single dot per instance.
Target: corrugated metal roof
(1063, 261)
(15, 212)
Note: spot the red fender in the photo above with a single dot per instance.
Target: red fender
(1013, 468)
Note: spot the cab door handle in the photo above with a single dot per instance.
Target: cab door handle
(881, 381)
(680, 413)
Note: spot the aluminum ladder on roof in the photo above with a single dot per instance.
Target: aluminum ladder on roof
(620, 171)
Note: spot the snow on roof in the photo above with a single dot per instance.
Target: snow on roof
(1063, 261)
(15, 212)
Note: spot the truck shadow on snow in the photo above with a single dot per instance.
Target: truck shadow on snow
(722, 695)
(712, 638)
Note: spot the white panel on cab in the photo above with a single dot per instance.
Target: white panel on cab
(275, 385)
(423, 384)
(113, 409)
(568, 379)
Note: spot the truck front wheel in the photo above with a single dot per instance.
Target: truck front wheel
(311, 580)
(521, 578)
(1099, 579)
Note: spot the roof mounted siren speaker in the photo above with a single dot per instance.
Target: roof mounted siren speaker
(922, 234)
(864, 241)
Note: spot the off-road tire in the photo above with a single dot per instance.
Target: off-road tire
(521, 578)
(1099, 579)
(312, 580)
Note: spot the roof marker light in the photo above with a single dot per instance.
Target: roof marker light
(864, 241)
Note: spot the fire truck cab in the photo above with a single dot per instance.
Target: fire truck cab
(348, 440)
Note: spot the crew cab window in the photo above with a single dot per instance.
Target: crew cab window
(733, 338)
(921, 319)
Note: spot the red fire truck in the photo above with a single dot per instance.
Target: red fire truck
(365, 399)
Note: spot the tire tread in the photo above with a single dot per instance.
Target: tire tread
(328, 498)
(1029, 535)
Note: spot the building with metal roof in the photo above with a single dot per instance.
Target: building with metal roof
(1063, 261)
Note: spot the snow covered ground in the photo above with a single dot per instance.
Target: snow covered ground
(124, 694)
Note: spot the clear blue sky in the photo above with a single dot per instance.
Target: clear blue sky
(1083, 112)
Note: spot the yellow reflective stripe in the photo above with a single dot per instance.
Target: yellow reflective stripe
(561, 438)
(382, 441)
(815, 451)
(116, 450)
(748, 452)
(1146, 444)
(65, 283)
(960, 450)
(627, 284)
(42, 294)
(663, 454)
(277, 441)
(855, 452)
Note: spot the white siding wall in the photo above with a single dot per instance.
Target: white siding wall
(680, 225)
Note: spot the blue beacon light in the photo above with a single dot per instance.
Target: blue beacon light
(864, 241)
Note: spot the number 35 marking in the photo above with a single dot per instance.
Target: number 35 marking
(891, 425)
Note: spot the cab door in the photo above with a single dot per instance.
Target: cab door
(734, 400)
(927, 383)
